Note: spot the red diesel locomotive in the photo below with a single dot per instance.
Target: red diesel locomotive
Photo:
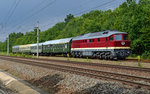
(104, 45)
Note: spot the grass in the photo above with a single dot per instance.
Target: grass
(140, 65)
(88, 60)
(68, 58)
(134, 56)
(17, 55)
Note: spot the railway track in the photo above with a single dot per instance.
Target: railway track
(126, 79)
(87, 64)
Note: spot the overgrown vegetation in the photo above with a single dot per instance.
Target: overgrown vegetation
(130, 17)
(18, 55)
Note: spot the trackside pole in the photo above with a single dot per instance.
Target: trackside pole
(8, 46)
(37, 39)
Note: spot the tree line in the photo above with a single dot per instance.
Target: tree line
(131, 17)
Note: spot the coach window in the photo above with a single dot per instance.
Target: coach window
(85, 41)
(90, 40)
(117, 37)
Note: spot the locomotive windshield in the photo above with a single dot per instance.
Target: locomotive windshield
(117, 37)
(125, 37)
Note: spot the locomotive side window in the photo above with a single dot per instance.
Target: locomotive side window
(125, 37)
(117, 37)
(106, 39)
(111, 38)
(84, 41)
(91, 40)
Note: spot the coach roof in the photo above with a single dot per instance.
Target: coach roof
(98, 34)
(17, 46)
(59, 41)
(36, 44)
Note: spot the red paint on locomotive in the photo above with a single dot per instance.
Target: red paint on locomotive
(111, 41)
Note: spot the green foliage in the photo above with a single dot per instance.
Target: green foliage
(130, 17)
(68, 18)
(18, 55)
(12, 39)
(146, 55)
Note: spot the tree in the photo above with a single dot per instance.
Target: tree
(130, 17)
(68, 18)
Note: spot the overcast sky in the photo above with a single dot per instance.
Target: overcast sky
(22, 15)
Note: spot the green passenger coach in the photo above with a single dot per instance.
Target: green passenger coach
(57, 47)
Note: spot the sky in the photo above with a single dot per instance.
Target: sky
(23, 15)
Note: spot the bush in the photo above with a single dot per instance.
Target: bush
(133, 55)
(146, 55)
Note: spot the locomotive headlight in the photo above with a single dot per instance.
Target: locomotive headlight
(122, 43)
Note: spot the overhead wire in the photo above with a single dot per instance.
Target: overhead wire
(69, 10)
(77, 7)
(35, 7)
(95, 7)
(13, 10)
(8, 13)
(36, 12)
(103, 4)
(86, 10)
(31, 15)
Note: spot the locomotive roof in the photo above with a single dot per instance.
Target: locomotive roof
(59, 41)
(98, 34)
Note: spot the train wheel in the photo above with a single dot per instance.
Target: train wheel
(100, 57)
(107, 55)
(94, 55)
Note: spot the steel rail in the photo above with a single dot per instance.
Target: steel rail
(87, 72)
(88, 64)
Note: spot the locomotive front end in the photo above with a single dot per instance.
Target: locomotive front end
(122, 46)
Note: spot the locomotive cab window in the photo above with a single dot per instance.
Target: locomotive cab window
(125, 37)
(117, 37)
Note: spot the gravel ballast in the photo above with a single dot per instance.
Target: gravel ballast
(62, 82)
